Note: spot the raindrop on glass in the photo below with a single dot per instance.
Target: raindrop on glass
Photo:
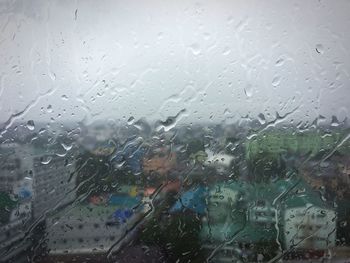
(276, 81)
(261, 118)
(226, 51)
(195, 49)
(46, 160)
(279, 62)
(67, 147)
(319, 49)
(335, 121)
(30, 125)
(131, 120)
(49, 109)
(248, 90)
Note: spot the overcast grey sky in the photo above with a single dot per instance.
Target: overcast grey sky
(69, 60)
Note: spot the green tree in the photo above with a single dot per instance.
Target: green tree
(94, 174)
(266, 166)
(195, 146)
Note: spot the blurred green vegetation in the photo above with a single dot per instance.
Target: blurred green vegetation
(307, 143)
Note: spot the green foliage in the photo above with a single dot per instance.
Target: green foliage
(195, 146)
(308, 143)
(265, 166)
(178, 234)
(94, 174)
(6, 206)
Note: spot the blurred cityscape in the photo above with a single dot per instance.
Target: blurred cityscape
(161, 192)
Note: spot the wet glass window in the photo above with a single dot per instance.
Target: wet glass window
(177, 131)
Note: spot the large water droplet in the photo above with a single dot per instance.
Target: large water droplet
(67, 147)
(61, 154)
(279, 62)
(49, 108)
(248, 90)
(195, 49)
(335, 121)
(64, 97)
(276, 81)
(131, 120)
(226, 51)
(261, 118)
(319, 48)
(171, 122)
(46, 160)
(343, 223)
(227, 112)
(30, 125)
(42, 131)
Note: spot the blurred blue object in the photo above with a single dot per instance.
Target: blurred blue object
(193, 199)
(122, 215)
(132, 155)
(24, 193)
(134, 160)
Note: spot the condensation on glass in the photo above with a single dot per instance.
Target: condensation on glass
(178, 131)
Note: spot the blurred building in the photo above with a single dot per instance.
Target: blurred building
(54, 183)
(33, 182)
(309, 224)
(16, 190)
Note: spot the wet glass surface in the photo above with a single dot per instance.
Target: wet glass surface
(179, 131)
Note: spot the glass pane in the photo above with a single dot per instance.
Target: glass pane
(182, 131)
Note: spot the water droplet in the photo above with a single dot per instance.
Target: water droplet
(67, 147)
(248, 90)
(343, 223)
(46, 160)
(64, 97)
(61, 154)
(227, 112)
(170, 122)
(279, 62)
(52, 75)
(334, 122)
(49, 109)
(276, 81)
(131, 120)
(226, 51)
(120, 164)
(195, 49)
(319, 49)
(30, 125)
(261, 118)
(42, 131)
